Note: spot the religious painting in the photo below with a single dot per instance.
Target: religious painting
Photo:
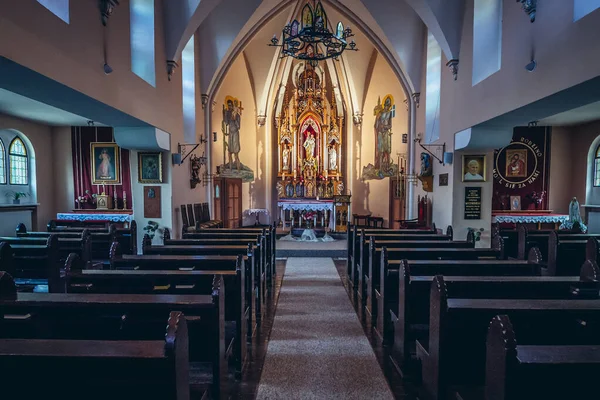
(150, 167)
(515, 203)
(516, 163)
(473, 168)
(231, 124)
(106, 163)
(443, 180)
(522, 168)
(384, 164)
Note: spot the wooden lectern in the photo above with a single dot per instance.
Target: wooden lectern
(341, 209)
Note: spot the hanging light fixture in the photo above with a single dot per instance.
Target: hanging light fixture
(311, 40)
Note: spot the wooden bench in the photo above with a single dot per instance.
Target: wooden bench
(527, 239)
(238, 302)
(121, 317)
(358, 242)
(33, 263)
(35, 368)
(551, 372)
(102, 239)
(454, 352)
(369, 279)
(68, 242)
(565, 255)
(403, 281)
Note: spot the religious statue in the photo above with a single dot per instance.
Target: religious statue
(280, 190)
(383, 132)
(339, 188)
(574, 222)
(231, 128)
(286, 157)
(309, 146)
(332, 158)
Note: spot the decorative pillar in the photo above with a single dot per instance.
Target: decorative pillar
(410, 190)
(208, 149)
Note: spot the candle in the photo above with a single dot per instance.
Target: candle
(124, 194)
(294, 174)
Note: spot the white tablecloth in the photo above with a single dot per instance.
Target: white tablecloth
(95, 217)
(531, 219)
(309, 205)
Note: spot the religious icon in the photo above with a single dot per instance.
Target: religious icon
(515, 203)
(286, 157)
(309, 146)
(106, 163)
(473, 168)
(332, 158)
(516, 163)
(232, 114)
(383, 166)
(150, 167)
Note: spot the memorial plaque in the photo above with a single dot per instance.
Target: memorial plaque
(152, 206)
(472, 202)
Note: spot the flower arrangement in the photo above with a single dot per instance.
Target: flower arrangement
(476, 233)
(87, 198)
(151, 228)
(536, 197)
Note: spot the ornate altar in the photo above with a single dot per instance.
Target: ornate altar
(309, 138)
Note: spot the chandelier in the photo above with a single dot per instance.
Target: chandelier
(311, 40)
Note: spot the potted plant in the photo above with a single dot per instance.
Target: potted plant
(151, 228)
(16, 196)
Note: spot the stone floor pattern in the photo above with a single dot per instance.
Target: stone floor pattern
(318, 349)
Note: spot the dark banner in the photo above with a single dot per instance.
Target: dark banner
(521, 169)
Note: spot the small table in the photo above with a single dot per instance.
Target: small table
(357, 218)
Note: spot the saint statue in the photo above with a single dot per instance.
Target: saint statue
(309, 146)
(286, 157)
(231, 128)
(574, 213)
(332, 158)
(383, 133)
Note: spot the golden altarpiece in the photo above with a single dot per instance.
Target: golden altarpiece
(310, 156)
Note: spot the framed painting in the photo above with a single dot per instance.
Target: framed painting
(443, 180)
(515, 203)
(516, 163)
(473, 168)
(150, 167)
(106, 163)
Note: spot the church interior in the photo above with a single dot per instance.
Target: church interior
(300, 199)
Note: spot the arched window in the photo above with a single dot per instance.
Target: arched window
(19, 168)
(2, 164)
(597, 167)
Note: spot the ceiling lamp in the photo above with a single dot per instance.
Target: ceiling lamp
(311, 40)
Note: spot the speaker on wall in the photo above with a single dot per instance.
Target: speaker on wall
(448, 157)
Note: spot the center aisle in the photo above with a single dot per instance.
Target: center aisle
(318, 349)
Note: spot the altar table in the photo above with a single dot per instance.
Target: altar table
(121, 216)
(325, 205)
(530, 217)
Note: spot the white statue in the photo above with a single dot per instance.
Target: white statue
(286, 157)
(309, 146)
(332, 158)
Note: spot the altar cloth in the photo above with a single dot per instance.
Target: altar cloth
(531, 218)
(94, 217)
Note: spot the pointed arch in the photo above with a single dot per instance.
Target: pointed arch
(2, 163)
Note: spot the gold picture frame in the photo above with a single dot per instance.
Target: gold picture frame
(105, 158)
(474, 168)
(150, 167)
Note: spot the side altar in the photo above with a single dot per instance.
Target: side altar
(310, 153)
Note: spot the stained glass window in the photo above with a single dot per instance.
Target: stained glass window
(17, 154)
(2, 165)
(597, 167)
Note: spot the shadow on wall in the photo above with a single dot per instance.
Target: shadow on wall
(360, 190)
(8, 136)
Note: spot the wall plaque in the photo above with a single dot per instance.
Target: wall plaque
(472, 202)
(152, 207)
(443, 180)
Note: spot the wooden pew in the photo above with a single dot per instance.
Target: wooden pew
(514, 371)
(238, 306)
(403, 294)
(102, 239)
(264, 259)
(34, 262)
(565, 255)
(527, 239)
(35, 368)
(68, 242)
(369, 279)
(254, 258)
(359, 244)
(73, 316)
(454, 352)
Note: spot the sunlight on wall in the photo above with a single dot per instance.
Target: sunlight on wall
(142, 40)
(188, 82)
(60, 8)
(487, 38)
(584, 7)
(432, 96)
